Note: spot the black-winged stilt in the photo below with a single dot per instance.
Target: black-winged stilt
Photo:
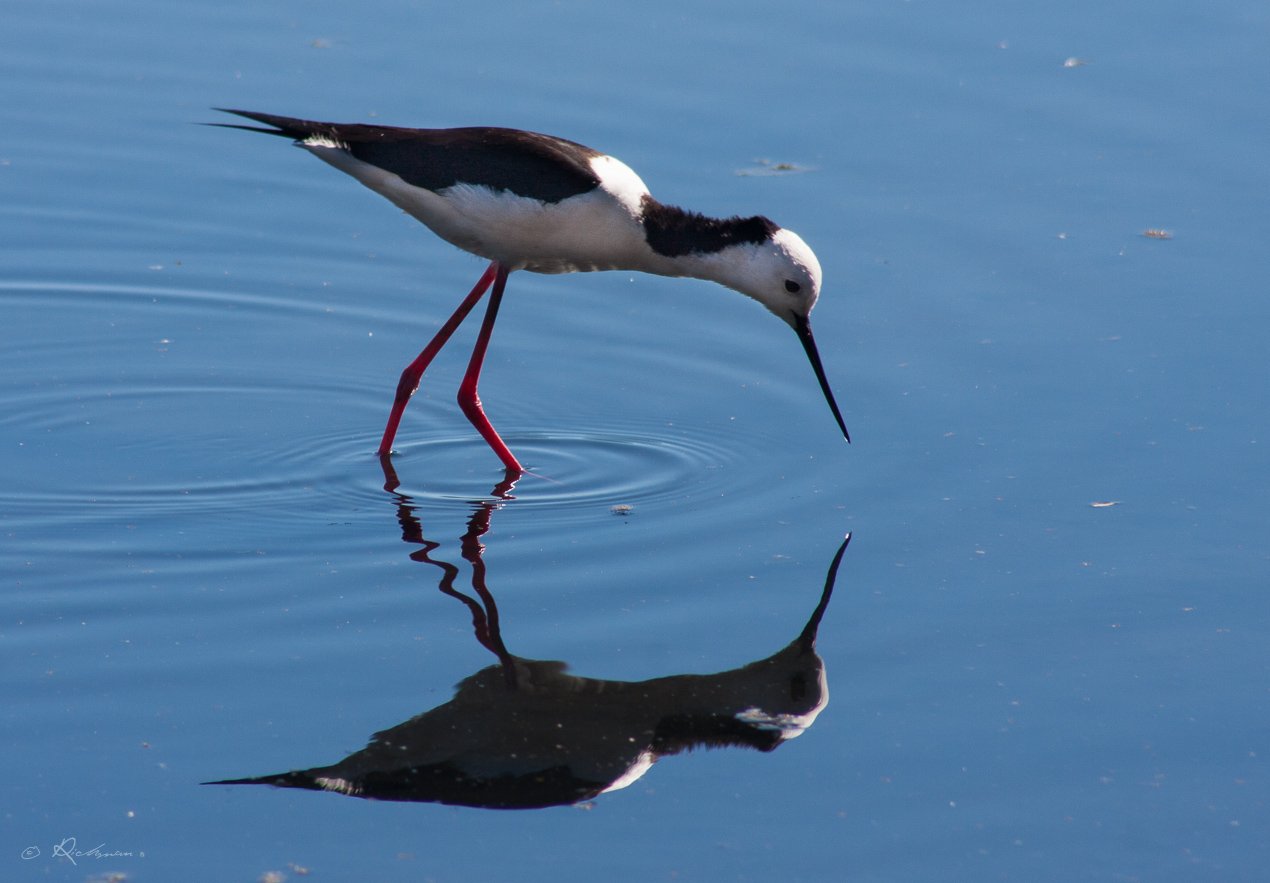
(526, 201)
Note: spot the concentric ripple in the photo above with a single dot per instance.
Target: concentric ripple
(613, 466)
(128, 402)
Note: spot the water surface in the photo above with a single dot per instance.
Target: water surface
(1044, 655)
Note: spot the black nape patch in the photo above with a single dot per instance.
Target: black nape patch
(672, 231)
(676, 733)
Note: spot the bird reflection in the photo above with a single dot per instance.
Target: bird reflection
(524, 733)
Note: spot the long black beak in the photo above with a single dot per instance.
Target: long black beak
(803, 328)
(808, 638)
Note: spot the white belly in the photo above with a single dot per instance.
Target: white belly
(598, 230)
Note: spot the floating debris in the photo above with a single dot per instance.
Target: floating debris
(771, 167)
(1157, 233)
(622, 509)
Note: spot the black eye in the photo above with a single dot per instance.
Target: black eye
(792, 287)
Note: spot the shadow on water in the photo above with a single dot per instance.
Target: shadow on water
(524, 734)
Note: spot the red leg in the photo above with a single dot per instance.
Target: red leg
(414, 371)
(468, 399)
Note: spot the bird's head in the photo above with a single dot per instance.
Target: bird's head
(782, 274)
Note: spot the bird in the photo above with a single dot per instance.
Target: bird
(527, 201)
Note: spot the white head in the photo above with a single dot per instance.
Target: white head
(782, 274)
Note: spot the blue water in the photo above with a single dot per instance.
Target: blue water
(1046, 650)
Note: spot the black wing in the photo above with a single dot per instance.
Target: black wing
(525, 163)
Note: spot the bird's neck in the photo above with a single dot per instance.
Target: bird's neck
(684, 243)
(728, 267)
